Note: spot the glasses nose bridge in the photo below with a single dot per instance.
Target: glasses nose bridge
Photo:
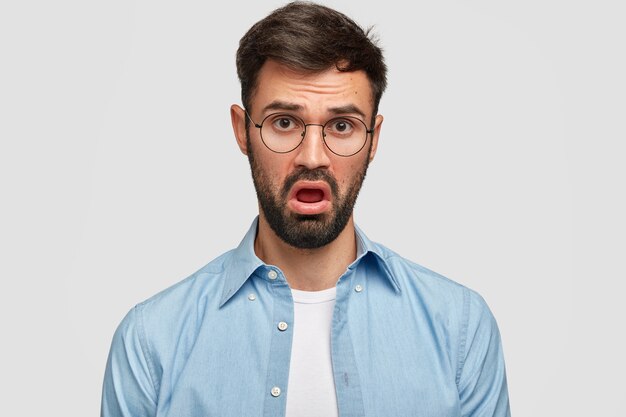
(306, 125)
(322, 135)
(314, 124)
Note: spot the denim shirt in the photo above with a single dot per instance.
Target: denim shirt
(405, 341)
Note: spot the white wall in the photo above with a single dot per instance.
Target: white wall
(500, 165)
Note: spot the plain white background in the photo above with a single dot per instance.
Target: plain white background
(500, 165)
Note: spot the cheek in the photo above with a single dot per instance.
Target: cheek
(347, 173)
(273, 169)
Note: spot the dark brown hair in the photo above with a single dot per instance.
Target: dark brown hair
(310, 38)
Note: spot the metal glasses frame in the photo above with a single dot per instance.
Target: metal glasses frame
(303, 134)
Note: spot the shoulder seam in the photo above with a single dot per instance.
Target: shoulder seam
(463, 336)
(145, 349)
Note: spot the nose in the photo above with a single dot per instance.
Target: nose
(312, 152)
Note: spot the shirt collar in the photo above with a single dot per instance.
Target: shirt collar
(367, 248)
(243, 262)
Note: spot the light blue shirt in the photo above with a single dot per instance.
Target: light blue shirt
(405, 342)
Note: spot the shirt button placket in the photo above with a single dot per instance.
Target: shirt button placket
(280, 343)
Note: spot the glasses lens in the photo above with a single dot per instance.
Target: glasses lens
(282, 132)
(345, 136)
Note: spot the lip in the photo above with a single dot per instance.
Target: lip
(318, 207)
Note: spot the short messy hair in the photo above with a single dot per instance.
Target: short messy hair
(310, 38)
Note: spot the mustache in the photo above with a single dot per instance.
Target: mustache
(304, 174)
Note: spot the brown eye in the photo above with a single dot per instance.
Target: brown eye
(283, 123)
(340, 127)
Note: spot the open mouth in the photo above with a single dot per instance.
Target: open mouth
(310, 197)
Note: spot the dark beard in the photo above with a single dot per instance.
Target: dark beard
(305, 231)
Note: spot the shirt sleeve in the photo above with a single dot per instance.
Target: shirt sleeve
(128, 389)
(481, 375)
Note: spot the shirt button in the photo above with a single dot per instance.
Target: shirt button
(251, 297)
(358, 288)
(272, 275)
(282, 326)
(275, 392)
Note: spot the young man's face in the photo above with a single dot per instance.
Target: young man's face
(307, 195)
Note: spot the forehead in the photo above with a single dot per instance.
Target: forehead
(313, 93)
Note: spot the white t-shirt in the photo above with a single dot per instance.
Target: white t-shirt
(311, 389)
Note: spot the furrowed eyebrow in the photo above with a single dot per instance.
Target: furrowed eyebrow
(286, 106)
(282, 105)
(347, 109)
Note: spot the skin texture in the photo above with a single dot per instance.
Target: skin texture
(317, 97)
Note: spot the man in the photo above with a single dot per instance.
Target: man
(307, 317)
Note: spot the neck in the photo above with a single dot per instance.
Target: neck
(307, 269)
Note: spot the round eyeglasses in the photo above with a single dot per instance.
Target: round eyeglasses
(284, 132)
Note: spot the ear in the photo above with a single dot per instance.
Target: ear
(377, 124)
(238, 119)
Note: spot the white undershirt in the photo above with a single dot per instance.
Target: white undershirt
(311, 389)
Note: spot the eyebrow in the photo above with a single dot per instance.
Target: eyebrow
(348, 108)
(285, 106)
(282, 105)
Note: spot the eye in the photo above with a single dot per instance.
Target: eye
(284, 123)
(340, 127)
